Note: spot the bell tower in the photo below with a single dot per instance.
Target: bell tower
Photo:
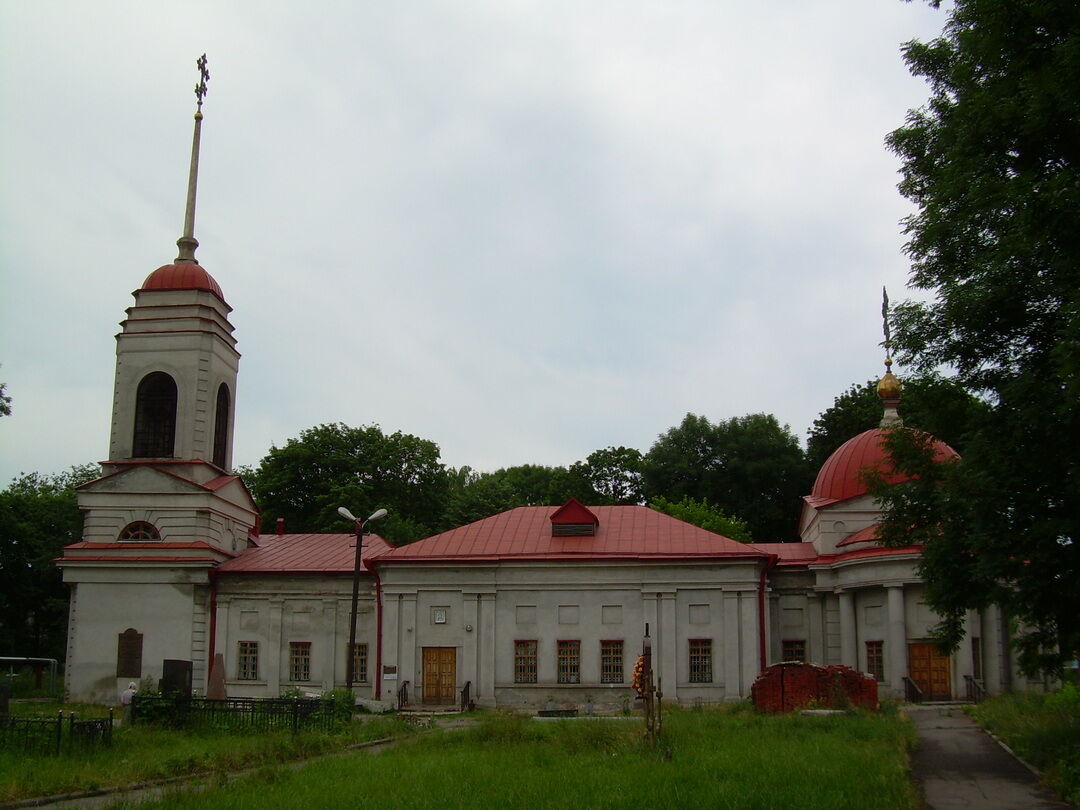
(176, 358)
(165, 511)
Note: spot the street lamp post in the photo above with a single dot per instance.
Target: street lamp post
(350, 661)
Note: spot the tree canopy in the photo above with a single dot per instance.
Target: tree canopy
(38, 517)
(703, 514)
(750, 467)
(992, 164)
(362, 469)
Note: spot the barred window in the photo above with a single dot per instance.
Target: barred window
(793, 649)
(611, 661)
(247, 662)
(875, 659)
(359, 664)
(524, 662)
(701, 660)
(299, 660)
(569, 662)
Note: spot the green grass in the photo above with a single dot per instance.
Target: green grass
(1044, 730)
(143, 753)
(715, 759)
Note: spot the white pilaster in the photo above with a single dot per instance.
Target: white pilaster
(848, 641)
(896, 641)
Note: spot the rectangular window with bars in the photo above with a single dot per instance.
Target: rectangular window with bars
(793, 649)
(611, 661)
(525, 661)
(300, 661)
(875, 659)
(247, 662)
(701, 660)
(359, 663)
(569, 662)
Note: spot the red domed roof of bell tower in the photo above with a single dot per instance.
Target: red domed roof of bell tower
(181, 276)
(842, 476)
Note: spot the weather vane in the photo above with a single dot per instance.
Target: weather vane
(885, 323)
(204, 77)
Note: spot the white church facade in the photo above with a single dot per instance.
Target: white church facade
(527, 605)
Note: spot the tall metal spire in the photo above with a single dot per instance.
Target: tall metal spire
(187, 243)
(888, 387)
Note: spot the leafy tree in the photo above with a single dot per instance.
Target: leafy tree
(992, 163)
(474, 496)
(747, 466)
(5, 401)
(362, 469)
(702, 514)
(38, 517)
(613, 473)
(930, 403)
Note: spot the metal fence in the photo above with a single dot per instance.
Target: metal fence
(55, 735)
(234, 714)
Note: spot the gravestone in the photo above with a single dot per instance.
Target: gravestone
(175, 677)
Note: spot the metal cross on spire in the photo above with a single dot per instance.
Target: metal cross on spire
(187, 243)
(885, 324)
(204, 77)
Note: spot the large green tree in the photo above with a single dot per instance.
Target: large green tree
(613, 473)
(992, 164)
(360, 468)
(750, 467)
(930, 403)
(38, 517)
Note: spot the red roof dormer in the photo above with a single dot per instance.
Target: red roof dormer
(573, 519)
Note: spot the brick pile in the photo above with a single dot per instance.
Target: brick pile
(790, 686)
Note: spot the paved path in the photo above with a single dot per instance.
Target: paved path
(958, 765)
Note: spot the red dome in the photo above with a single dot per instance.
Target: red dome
(182, 276)
(841, 476)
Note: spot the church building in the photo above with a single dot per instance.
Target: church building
(531, 604)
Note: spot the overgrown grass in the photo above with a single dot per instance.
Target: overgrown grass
(712, 758)
(144, 753)
(1044, 730)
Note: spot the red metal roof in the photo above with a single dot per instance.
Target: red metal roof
(842, 476)
(801, 554)
(182, 276)
(304, 554)
(867, 535)
(524, 533)
(790, 553)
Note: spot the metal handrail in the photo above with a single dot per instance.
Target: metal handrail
(403, 695)
(975, 689)
(912, 692)
(466, 698)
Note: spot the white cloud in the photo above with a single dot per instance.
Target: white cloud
(523, 230)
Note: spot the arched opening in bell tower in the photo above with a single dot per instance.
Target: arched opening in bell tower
(155, 417)
(221, 425)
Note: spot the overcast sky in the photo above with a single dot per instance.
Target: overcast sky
(522, 230)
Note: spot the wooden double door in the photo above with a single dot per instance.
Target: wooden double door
(930, 670)
(440, 674)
